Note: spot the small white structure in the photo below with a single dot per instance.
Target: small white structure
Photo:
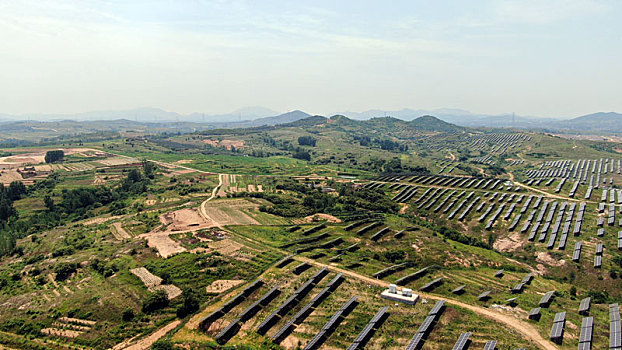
(405, 296)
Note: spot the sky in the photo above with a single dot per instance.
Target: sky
(554, 58)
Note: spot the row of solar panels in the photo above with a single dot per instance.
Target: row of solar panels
(303, 313)
(363, 337)
(235, 325)
(291, 302)
(238, 299)
(426, 327)
(332, 323)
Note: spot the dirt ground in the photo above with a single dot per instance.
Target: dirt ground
(187, 219)
(146, 342)
(163, 243)
(225, 143)
(510, 243)
(220, 286)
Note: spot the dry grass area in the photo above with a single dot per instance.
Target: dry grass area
(112, 161)
(319, 217)
(153, 282)
(172, 291)
(8, 176)
(229, 212)
(226, 246)
(220, 286)
(65, 333)
(165, 246)
(100, 220)
(68, 327)
(148, 279)
(119, 232)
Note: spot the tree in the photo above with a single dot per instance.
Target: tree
(307, 141)
(301, 154)
(149, 169)
(155, 301)
(189, 305)
(63, 270)
(54, 156)
(15, 190)
(128, 315)
(49, 203)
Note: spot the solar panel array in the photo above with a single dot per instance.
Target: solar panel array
(367, 332)
(426, 327)
(433, 284)
(598, 258)
(576, 254)
(235, 325)
(301, 315)
(330, 326)
(293, 300)
(413, 276)
(490, 345)
(233, 302)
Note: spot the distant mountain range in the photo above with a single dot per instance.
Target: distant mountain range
(260, 116)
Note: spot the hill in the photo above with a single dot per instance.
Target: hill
(599, 122)
(430, 123)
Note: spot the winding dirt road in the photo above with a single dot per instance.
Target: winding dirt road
(203, 206)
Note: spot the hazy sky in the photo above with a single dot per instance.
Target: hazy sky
(556, 58)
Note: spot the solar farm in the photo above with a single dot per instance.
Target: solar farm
(413, 239)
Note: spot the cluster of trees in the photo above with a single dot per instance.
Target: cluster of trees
(74, 204)
(393, 165)
(387, 145)
(307, 141)
(8, 214)
(54, 156)
(311, 200)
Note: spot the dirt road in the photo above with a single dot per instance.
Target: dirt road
(146, 343)
(203, 207)
(546, 194)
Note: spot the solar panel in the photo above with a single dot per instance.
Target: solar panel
(438, 308)
(415, 342)
(484, 295)
(490, 345)
(546, 299)
(462, 341)
(585, 305)
(560, 317)
(534, 313)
